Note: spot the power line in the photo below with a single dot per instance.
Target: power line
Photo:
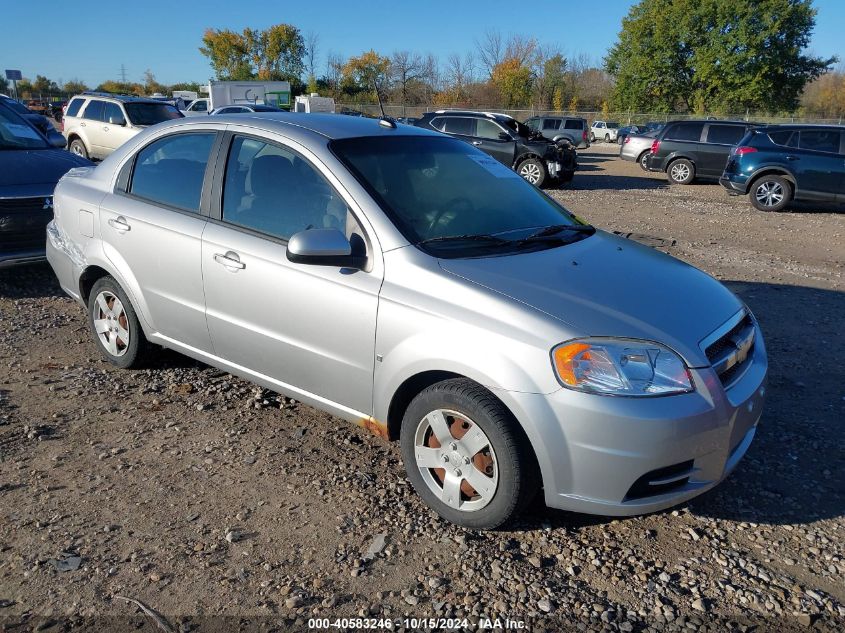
(123, 73)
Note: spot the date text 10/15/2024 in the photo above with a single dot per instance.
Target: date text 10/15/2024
(389, 624)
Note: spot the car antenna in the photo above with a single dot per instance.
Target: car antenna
(384, 120)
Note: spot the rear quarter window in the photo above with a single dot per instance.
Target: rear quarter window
(573, 124)
(781, 137)
(820, 140)
(73, 107)
(725, 134)
(684, 132)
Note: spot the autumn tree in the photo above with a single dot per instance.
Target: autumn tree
(714, 55)
(74, 86)
(151, 86)
(367, 72)
(557, 99)
(513, 81)
(228, 53)
(275, 53)
(405, 69)
(334, 73)
(42, 84)
(825, 97)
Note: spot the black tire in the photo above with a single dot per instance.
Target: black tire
(517, 473)
(607, 138)
(680, 171)
(770, 193)
(78, 147)
(643, 160)
(122, 355)
(533, 170)
(592, 138)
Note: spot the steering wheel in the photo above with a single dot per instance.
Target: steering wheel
(468, 207)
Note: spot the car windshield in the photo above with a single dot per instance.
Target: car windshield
(452, 198)
(151, 113)
(15, 133)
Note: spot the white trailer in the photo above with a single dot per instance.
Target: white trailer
(313, 103)
(223, 93)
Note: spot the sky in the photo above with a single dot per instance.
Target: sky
(66, 42)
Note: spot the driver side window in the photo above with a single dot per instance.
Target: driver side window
(488, 129)
(271, 189)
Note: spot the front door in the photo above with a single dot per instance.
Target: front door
(152, 234)
(115, 128)
(493, 139)
(309, 329)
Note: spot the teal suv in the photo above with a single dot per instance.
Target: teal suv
(777, 164)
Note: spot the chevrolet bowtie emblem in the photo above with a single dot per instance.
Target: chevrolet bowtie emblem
(48, 203)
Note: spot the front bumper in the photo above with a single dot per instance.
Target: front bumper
(620, 456)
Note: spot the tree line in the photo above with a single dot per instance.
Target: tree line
(671, 56)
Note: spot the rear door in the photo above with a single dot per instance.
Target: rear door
(92, 124)
(713, 154)
(151, 228)
(820, 163)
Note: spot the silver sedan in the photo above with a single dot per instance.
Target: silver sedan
(407, 282)
(637, 147)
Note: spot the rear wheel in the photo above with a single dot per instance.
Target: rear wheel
(466, 457)
(770, 193)
(115, 325)
(78, 147)
(533, 170)
(592, 138)
(681, 171)
(643, 160)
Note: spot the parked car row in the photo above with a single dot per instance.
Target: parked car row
(772, 164)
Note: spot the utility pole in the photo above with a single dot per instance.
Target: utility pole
(123, 73)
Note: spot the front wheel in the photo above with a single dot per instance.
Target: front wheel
(592, 138)
(465, 455)
(607, 138)
(78, 147)
(533, 170)
(115, 325)
(681, 171)
(770, 193)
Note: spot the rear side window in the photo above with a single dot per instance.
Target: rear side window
(684, 132)
(171, 170)
(94, 110)
(573, 124)
(725, 134)
(459, 125)
(781, 137)
(820, 140)
(73, 107)
(112, 113)
(551, 124)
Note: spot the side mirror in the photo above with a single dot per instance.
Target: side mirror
(113, 120)
(56, 140)
(323, 247)
(504, 136)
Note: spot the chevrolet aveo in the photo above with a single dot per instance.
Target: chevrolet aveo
(407, 282)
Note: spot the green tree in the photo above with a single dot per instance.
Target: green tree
(513, 80)
(714, 55)
(74, 86)
(42, 84)
(228, 53)
(366, 71)
(275, 53)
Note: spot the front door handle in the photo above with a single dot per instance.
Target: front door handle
(105, 128)
(792, 158)
(119, 224)
(476, 143)
(230, 260)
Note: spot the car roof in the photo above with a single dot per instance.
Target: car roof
(121, 98)
(329, 126)
(471, 113)
(768, 127)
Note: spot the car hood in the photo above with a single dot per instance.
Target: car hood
(610, 286)
(29, 172)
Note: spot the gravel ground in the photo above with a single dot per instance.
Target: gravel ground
(221, 505)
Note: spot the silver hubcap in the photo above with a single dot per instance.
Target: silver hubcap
(680, 172)
(76, 149)
(456, 460)
(531, 172)
(111, 324)
(769, 193)
(644, 161)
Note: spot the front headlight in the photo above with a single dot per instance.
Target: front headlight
(620, 367)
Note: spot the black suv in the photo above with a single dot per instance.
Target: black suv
(512, 143)
(686, 150)
(572, 128)
(779, 163)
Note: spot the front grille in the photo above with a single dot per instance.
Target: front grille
(23, 222)
(731, 353)
(661, 481)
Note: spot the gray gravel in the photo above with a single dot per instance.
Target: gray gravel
(214, 501)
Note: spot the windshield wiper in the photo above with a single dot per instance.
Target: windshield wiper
(489, 239)
(555, 229)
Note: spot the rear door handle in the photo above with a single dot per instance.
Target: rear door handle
(792, 158)
(476, 143)
(230, 260)
(120, 224)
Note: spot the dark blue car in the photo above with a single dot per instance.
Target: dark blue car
(30, 166)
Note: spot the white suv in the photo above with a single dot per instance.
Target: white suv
(604, 130)
(96, 124)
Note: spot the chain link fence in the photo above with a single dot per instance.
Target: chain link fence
(623, 118)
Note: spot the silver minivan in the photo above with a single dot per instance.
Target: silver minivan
(405, 281)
